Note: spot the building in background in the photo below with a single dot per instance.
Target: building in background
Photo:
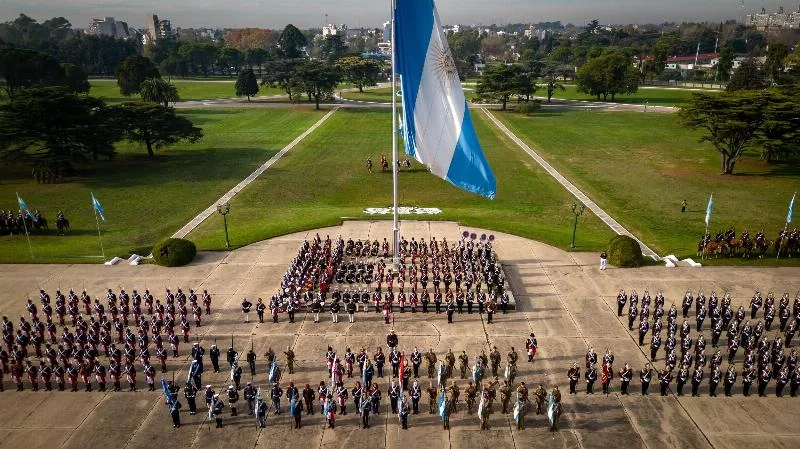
(107, 26)
(334, 30)
(157, 30)
(774, 21)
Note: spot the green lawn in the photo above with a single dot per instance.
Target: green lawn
(383, 95)
(324, 179)
(639, 167)
(652, 96)
(148, 199)
(188, 90)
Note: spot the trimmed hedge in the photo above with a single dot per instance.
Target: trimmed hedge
(174, 252)
(624, 252)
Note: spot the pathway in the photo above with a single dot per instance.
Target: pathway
(603, 215)
(202, 216)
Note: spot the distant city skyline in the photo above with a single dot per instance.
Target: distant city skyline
(277, 13)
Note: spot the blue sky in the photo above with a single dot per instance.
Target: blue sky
(355, 13)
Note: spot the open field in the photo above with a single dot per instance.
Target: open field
(148, 199)
(324, 179)
(188, 90)
(652, 96)
(639, 167)
(383, 95)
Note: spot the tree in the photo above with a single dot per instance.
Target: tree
(730, 121)
(499, 83)
(779, 135)
(27, 68)
(246, 84)
(229, 60)
(156, 126)
(157, 90)
(133, 70)
(255, 57)
(333, 47)
(774, 64)
(747, 77)
(75, 79)
(609, 74)
(317, 80)
(552, 73)
(725, 64)
(359, 71)
(53, 128)
(291, 42)
(281, 74)
(199, 57)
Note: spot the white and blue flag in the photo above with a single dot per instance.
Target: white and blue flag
(791, 209)
(98, 208)
(436, 126)
(709, 207)
(23, 206)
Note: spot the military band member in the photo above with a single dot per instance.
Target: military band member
(714, 378)
(591, 377)
(190, 392)
(625, 376)
(730, 379)
(697, 379)
(748, 376)
(246, 306)
(574, 374)
(763, 380)
(645, 375)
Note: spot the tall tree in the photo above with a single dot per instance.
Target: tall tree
(725, 64)
(552, 74)
(333, 47)
(229, 60)
(246, 84)
(157, 90)
(156, 126)
(499, 83)
(53, 128)
(779, 135)
(27, 68)
(75, 79)
(609, 74)
(730, 122)
(281, 74)
(318, 80)
(291, 42)
(361, 72)
(774, 64)
(133, 70)
(748, 77)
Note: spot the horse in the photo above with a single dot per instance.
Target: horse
(62, 223)
(762, 246)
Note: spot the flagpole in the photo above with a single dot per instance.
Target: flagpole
(395, 223)
(27, 235)
(103, 251)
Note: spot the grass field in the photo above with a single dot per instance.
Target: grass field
(384, 95)
(324, 179)
(187, 89)
(148, 199)
(639, 167)
(652, 96)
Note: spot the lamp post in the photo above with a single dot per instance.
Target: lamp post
(578, 211)
(224, 210)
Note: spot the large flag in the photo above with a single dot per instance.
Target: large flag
(442, 406)
(437, 128)
(551, 408)
(98, 208)
(518, 411)
(274, 371)
(23, 206)
(791, 210)
(709, 207)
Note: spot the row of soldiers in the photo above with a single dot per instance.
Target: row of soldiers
(77, 354)
(759, 369)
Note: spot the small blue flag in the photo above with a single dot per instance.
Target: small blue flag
(551, 408)
(791, 210)
(24, 207)
(98, 207)
(273, 371)
(709, 207)
(442, 406)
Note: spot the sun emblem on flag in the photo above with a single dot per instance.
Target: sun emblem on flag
(444, 65)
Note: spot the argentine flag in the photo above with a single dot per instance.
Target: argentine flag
(442, 406)
(552, 408)
(24, 207)
(436, 127)
(98, 207)
(709, 207)
(273, 371)
(791, 210)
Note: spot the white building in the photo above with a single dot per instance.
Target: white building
(334, 30)
(107, 26)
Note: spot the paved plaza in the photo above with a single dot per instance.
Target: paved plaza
(562, 297)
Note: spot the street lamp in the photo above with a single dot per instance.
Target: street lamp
(224, 210)
(578, 211)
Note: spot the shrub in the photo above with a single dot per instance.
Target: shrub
(174, 252)
(624, 251)
(530, 107)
